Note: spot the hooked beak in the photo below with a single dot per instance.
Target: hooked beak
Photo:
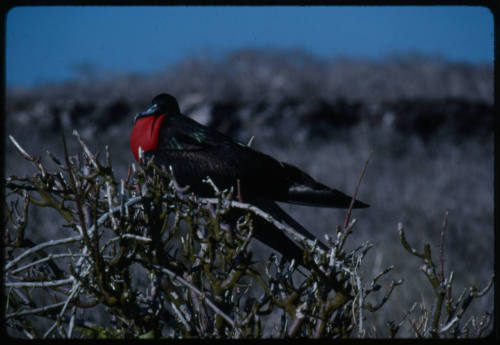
(151, 111)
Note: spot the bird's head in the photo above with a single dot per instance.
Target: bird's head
(163, 104)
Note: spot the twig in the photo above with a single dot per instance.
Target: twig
(131, 236)
(388, 293)
(239, 196)
(110, 205)
(123, 211)
(71, 322)
(441, 247)
(476, 294)
(74, 292)
(446, 327)
(181, 317)
(41, 246)
(250, 141)
(47, 258)
(52, 243)
(39, 284)
(54, 158)
(283, 227)
(410, 321)
(359, 297)
(209, 181)
(50, 330)
(181, 280)
(298, 320)
(35, 310)
(355, 194)
(86, 150)
(20, 149)
(405, 243)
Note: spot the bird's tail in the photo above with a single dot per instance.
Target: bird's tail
(304, 190)
(327, 197)
(270, 235)
(279, 214)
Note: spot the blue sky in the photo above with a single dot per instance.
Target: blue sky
(44, 44)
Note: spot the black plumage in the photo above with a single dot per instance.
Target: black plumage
(195, 151)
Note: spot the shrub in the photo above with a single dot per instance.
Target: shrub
(145, 258)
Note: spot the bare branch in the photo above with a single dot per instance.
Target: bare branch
(35, 311)
(283, 227)
(39, 284)
(355, 194)
(45, 259)
(20, 149)
(193, 288)
(86, 150)
(441, 247)
(41, 246)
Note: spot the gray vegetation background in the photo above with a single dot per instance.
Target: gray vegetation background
(429, 123)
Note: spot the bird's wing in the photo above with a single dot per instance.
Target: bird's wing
(197, 151)
(263, 176)
(304, 190)
(187, 134)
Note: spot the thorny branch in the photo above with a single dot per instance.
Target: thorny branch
(452, 325)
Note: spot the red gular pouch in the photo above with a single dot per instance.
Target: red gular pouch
(145, 134)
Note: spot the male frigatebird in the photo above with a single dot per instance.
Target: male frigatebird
(195, 151)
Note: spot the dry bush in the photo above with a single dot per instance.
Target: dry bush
(156, 261)
(161, 262)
